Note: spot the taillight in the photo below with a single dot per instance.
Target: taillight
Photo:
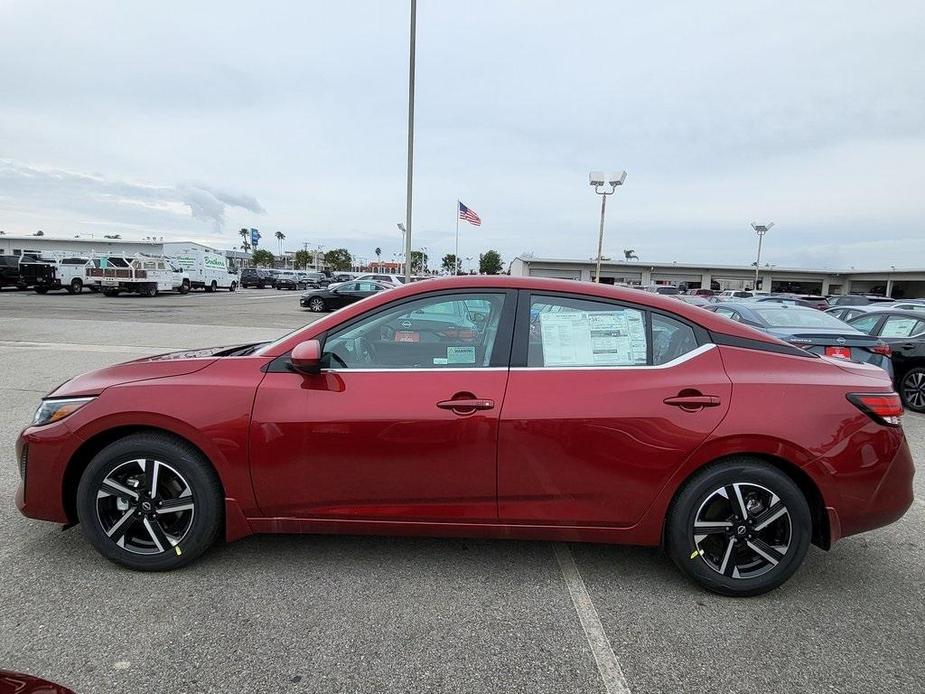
(838, 352)
(882, 348)
(885, 408)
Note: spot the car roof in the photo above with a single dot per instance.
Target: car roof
(694, 314)
(905, 313)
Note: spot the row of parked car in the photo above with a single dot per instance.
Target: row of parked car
(867, 329)
(190, 268)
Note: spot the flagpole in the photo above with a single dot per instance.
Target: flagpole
(456, 254)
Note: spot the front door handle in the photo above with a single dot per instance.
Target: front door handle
(466, 405)
(690, 402)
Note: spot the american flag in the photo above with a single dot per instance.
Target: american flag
(469, 215)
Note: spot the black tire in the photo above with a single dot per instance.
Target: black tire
(317, 305)
(912, 389)
(233, 287)
(41, 290)
(705, 498)
(180, 466)
(76, 286)
(184, 287)
(212, 287)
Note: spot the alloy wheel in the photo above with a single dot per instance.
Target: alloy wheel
(145, 506)
(742, 530)
(914, 390)
(316, 305)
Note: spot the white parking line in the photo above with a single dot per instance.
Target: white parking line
(76, 347)
(607, 663)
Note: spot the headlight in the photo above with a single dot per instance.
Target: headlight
(53, 410)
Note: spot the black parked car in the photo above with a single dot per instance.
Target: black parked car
(814, 331)
(806, 300)
(904, 332)
(255, 277)
(10, 270)
(858, 300)
(331, 298)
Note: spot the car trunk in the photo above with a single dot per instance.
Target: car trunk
(848, 345)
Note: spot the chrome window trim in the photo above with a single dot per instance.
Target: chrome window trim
(702, 349)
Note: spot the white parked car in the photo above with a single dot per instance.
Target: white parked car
(141, 274)
(379, 277)
(207, 269)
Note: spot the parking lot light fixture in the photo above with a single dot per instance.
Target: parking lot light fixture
(599, 182)
(761, 230)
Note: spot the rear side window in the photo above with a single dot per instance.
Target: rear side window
(670, 339)
(900, 326)
(567, 332)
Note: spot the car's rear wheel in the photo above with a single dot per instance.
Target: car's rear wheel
(76, 286)
(150, 502)
(912, 390)
(316, 304)
(739, 528)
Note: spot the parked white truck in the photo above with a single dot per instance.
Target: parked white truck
(140, 274)
(207, 268)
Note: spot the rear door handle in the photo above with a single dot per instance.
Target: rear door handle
(466, 405)
(692, 401)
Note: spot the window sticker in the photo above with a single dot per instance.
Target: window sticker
(898, 327)
(460, 355)
(440, 361)
(593, 338)
(407, 336)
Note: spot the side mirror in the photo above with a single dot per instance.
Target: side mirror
(306, 357)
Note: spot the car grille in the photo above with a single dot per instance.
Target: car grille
(23, 462)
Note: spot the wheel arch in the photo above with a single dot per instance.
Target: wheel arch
(821, 532)
(88, 449)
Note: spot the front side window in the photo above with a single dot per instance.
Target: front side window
(435, 332)
(567, 332)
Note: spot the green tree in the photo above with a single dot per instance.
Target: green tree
(262, 257)
(418, 262)
(338, 259)
(448, 263)
(303, 259)
(490, 263)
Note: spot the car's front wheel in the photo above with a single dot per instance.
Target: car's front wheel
(316, 304)
(150, 502)
(912, 390)
(739, 528)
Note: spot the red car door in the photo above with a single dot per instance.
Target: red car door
(401, 424)
(604, 402)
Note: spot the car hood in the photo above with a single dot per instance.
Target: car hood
(147, 368)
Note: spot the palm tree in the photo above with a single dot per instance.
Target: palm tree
(279, 239)
(378, 253)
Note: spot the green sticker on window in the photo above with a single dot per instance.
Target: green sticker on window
(460, 355)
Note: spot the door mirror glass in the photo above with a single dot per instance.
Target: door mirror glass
(306, 357)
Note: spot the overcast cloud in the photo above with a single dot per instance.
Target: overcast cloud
(195, 119)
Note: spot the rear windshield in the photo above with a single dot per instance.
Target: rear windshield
(799, 318)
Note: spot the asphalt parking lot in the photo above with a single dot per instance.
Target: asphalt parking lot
(369, 614)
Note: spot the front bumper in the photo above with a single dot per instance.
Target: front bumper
(46, 451)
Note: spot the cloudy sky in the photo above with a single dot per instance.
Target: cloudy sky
(194, 119)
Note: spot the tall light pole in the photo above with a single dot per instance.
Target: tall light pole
(761, 230)
(414, 12)
(404, 236)
(596, 179)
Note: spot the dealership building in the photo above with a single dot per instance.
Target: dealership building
(898, 283)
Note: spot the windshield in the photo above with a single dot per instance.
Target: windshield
(800, 318)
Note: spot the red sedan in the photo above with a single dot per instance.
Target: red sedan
(482, 406)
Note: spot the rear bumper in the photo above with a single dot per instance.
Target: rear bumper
(884, 501)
